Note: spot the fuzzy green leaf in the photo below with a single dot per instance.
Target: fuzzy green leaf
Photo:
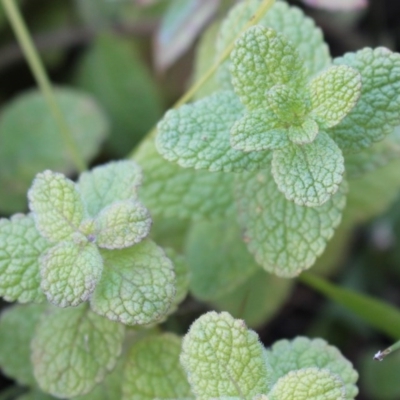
(223, 358)
(287, 20)
(376, 113)
(258, 130)
(73, 349)
(70, 273)
(285, 356)
(153, 371)
(284, 238)
(17, 324)
(114, 181)
(310, 174)
(20, 248)
(172, 191)
(197, 136)
(334, 93)
(261, 59)
(137, 285)
(56, 205)
(303, 133)
(308, 384)
(122, 224)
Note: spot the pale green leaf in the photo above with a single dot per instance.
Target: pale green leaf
(70, 273)
(73, 349)
(197, 136)
(308, 384)
(56, 205)
(334, 93)
(114, 181)
(310, 174)
(20, 248)
(171, 191)
(153, 371)
(303, 133)
(17, 325)
(258, 130)
(284, 238)
(377, 111)
(218, 259)
(261, 59)
(122, 224)
(223, 358)
(31, 140)
(257, 299)
(285, 356)
(287, 20)
(137, 285)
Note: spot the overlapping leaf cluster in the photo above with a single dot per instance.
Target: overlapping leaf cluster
(284, 129)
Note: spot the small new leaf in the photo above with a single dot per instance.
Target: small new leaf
(56, 205)
(122, 224)
(223, 358)
(73, 349)
(70, 273)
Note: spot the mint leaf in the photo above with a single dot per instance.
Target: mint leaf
(17, 324)
(223, 358)
(137, 285)
(172, 191)
(153, 371)
(261, 59)
(310, 174)
(376, 113)
(284, 238)
(122, 224)
(73, 349)
(197, 136)
(334, 93)
(70, 273)
(56, 205)
(285, 356)
(20, 248)
(304, 132)
(308, 384)
(106, 184)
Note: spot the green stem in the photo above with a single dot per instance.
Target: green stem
(42, 79)
(380, 355)
(255, 18)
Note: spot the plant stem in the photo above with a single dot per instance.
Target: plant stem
(42, 79)
(380, 355)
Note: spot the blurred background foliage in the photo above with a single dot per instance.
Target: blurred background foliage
(118, 65)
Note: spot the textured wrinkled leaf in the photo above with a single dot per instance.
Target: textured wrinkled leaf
(20, 248)
(17, 324)
(258, 130)
(137, 285)
(309, 175)
(261, 59)
(113, 71)
(122, 224)
(31, 140)
(187, 16)
(283, 237)
(334, 93)
(285, 356)
(56, 205)
(223, 358)
(114, 181)
(218, 259)
(73, 349)
(172, 191)
(289, 21)
(197, 136)
(257, 299)
(377, 111)
(308, 384)
(153, 371)
(303, 133)
(70, 273)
